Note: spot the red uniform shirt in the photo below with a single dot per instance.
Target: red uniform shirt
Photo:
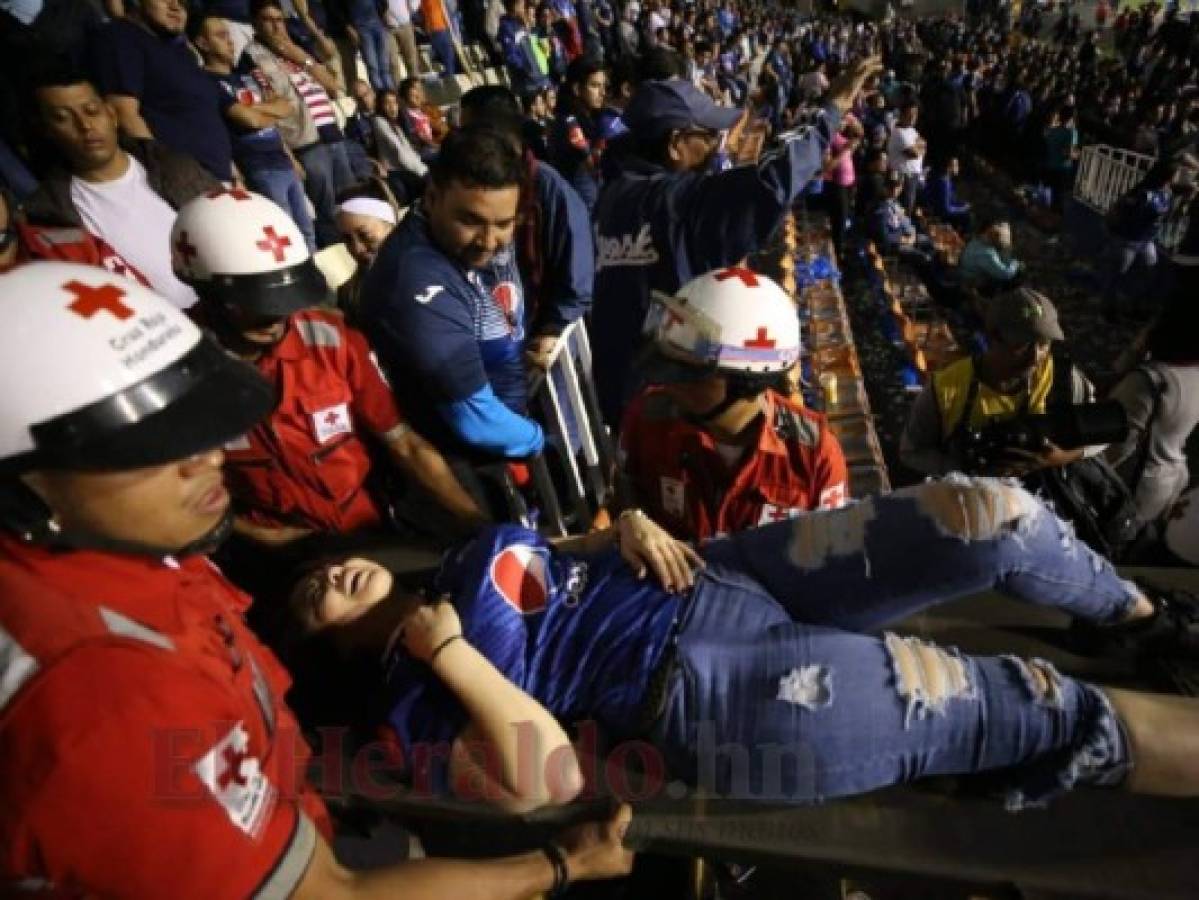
(306, 464)
(145, 749)
(71, 244)
(683, 481)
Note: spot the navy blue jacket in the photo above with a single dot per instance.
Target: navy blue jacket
(559, 282)
(655, 230)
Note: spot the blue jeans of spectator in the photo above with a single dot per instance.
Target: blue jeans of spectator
(372, 41)
(777, 694)
(285, 188)
(443, 47)
(360, 161)
(328, 169)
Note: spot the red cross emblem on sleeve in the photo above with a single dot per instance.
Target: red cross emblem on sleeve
(91, 300)
(235, 193)
(273, 243)
(762, 342)
(744, 275)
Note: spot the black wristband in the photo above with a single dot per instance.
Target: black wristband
(442, 646)
(557, 858)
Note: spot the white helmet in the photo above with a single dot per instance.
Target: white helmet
(102, 373)
(731, 322)
(243, 251)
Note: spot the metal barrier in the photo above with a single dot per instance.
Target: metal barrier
(578, 451)
(1105, 173)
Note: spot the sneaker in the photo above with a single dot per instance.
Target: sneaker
(1173, 631)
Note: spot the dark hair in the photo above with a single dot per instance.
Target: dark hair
(56, 75)
(654, 147)
(257, 6)
(374, 188)
(659, 64)
(582, 68)
(488, 100)
(195, 24)
(406, 85)
(621, 72)
(577, 73)
(386, 92)
(478, 155)
(495, 106)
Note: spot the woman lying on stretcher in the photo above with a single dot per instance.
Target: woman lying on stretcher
(754, 670)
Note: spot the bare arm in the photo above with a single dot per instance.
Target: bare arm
(427, 466)
(592, 851)
(266, 534)
(292, 52)
(921, 447)
(129, 116)
(645, 545)
(260, 115)
(512, 740)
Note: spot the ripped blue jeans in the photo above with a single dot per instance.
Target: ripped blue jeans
(775, 696)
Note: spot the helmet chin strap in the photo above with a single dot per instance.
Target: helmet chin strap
(26, 514)
(230, 337)
(736, 389)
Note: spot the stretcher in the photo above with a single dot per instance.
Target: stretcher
(1090, 843)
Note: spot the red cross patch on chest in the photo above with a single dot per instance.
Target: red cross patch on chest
(331, 421)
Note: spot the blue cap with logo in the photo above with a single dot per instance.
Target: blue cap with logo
(661, 106)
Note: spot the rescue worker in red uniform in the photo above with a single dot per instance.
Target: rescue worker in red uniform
(21, 241)
(145, 748)
(304, 470)
(711, 446)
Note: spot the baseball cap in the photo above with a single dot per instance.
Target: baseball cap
(1024, 315)
(659, 106)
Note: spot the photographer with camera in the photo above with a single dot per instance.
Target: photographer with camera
(1022, 409)
(953, 424)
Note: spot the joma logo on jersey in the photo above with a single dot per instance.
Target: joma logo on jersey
(625, 250)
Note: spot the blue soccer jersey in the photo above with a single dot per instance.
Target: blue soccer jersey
(580, 634)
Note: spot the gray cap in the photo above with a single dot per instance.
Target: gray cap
(1022, 316)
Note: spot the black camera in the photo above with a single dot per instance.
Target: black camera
(1067, 427)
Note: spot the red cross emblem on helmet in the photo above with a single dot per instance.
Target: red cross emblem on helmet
(235, 193)
(90, 300)
(742, 274)
(274, 243)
